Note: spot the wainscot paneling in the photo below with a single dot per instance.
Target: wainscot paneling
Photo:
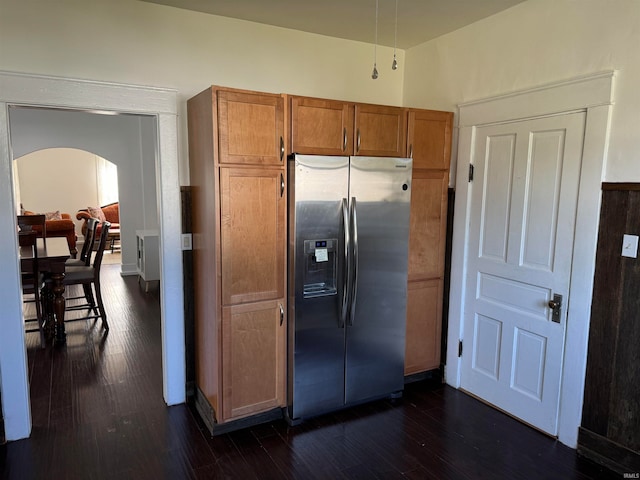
(610, 431)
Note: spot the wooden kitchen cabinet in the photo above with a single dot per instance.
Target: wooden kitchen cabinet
(429, 139)
(429, 143)
(427, 224)
(424, 326)
(238, 184)
(254, 357)
(250, 128)
(321, 127)
(380, 131)
(332, 127)
(252, 227)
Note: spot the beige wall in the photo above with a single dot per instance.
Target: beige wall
(134, 42)
(533, 43)
(74, 171)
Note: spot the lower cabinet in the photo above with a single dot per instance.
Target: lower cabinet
(427, 238)
(253, 358)
(424, 326)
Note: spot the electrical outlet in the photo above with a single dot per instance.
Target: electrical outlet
(630, 246)
(187, 241)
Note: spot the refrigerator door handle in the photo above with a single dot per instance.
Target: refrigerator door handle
(354, 277)
(347, 265)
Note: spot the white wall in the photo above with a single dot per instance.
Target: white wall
(146, 44)
(534, 43)
(58, 179)
(129, 141)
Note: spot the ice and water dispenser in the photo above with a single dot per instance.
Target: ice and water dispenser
(321, 267)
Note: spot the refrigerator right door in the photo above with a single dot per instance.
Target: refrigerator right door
(380, 194)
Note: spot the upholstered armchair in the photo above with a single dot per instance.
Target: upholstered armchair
(110, 213)
(62, 227)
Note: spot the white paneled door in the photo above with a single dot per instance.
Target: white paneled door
(523, 208)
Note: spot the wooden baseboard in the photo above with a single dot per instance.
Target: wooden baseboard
(608, 453)
(430, 375)
(208, 415)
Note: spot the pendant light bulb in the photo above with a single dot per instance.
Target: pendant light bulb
(374, 74)
(394, 64)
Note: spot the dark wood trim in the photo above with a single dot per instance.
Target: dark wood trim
(607, 453)
(625, 187)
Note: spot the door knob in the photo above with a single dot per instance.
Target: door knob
(555, 305)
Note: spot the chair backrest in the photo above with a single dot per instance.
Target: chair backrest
(27, 222)
(90, 238)
(104, 233)
(30, 271)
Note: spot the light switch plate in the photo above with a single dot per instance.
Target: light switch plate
(187, 241)
(630, 246)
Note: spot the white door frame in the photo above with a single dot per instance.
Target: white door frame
(592, 94)
(55, 92)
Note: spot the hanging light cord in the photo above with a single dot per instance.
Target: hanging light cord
(374, 74)
(394, 65)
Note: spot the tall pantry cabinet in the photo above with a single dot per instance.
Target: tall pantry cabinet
(429, 143)
(237, 168)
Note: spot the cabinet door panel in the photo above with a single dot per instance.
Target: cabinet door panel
(429, 139)
(253, 349)
(321, 127)
(428, 224)
(424, 324)
(250, 128)
(380, 131)
(252, 233)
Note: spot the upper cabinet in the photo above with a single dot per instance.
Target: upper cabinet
(250, 128)
(429, 139)
(380, 131)
(321, 127)
(332, 127)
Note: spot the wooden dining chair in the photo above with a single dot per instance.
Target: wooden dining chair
(32, 281)
(27, 222)
(89, 276)
(87, 247)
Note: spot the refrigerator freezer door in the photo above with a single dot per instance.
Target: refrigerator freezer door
(317, 251)
(376, 330)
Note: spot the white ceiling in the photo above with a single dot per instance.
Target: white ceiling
(418, 20)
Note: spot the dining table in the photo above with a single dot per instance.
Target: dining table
(52, 255)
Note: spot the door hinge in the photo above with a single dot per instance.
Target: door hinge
(459, 348)
(470, 172)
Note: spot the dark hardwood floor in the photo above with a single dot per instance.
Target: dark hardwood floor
(98, 413)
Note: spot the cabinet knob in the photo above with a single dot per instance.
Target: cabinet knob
(281, 314)
(358, 141)
(281, 185)
(344, 139)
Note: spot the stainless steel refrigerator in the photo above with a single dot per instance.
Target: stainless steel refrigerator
(348, 256)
